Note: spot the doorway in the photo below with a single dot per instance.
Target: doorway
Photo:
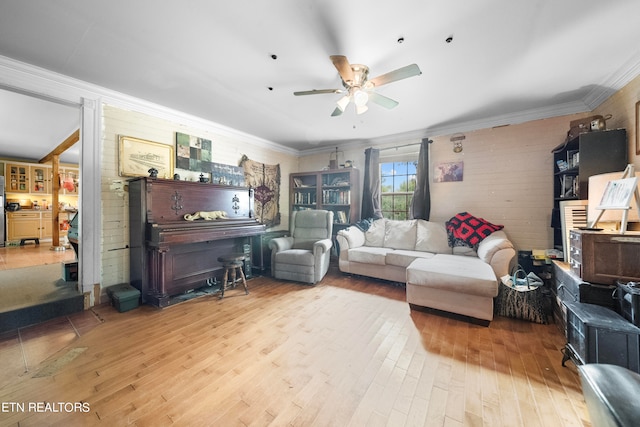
(31, 127)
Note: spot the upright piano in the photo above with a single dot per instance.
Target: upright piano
(170, 255)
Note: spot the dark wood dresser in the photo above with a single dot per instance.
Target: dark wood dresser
(170, 255)
(605, 257)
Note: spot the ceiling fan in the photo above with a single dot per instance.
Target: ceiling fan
(358, 88)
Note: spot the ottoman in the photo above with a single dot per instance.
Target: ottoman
(457, 284)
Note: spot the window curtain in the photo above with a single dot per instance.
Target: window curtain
(421, 202)
(371, 189)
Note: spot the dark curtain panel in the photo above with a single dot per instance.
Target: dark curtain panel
(371, 190)
(421, 202)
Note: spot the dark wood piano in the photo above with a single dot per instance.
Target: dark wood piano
(170, 255)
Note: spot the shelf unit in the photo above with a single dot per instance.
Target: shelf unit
(336, 190)
(574, 161)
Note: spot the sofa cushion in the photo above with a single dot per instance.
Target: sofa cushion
(464, 251)
(431, 237)
(295, 256)
(454, 273)
(403, 258)
(400, 234)
(369, 255)
(374, 236)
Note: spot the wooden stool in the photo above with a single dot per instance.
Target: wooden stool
(231, 264)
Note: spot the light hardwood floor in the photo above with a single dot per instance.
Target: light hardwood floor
(31, 254)
(347, 351)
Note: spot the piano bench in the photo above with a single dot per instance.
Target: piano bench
(232, 264)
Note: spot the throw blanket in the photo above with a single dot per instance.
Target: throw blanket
(364, 224)
(465, 229)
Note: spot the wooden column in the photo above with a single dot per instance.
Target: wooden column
(55, 208)
(54, 158)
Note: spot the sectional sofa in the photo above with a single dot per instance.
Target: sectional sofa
(461, 280)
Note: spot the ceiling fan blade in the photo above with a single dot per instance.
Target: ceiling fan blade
(383, 100)
(344, 68)
(399, 74)
(336, 112)
(317, 92)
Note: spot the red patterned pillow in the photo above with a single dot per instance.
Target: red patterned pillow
(465, 229)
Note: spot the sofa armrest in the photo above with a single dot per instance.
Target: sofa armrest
(349, 238)
(280, 244)
(322, 245)
(497, 251)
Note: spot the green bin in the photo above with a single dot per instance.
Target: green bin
(124, 297)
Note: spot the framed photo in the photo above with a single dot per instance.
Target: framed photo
(448, 172)
(137, 156)
(637, 127)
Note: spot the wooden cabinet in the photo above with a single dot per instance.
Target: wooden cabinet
(574, 161)
(17, 178)
(31, 224)
(37, 179)
(23, 225)
(336, 190)
(41, 180)
(601, 257)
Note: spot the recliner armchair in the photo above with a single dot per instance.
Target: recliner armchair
(304, 256)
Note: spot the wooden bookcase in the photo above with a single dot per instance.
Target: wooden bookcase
(336, 190)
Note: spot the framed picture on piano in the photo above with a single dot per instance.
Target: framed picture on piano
(138, 156)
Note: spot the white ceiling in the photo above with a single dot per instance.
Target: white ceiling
(509, 60)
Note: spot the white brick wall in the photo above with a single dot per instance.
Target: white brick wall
(115, 209)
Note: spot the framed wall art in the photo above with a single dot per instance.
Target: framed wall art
(137, 156)
(448, 172)
(193, 153)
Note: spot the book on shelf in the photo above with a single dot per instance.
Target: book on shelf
(341, 217)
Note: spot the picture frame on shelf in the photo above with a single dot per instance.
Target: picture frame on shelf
(137, 156)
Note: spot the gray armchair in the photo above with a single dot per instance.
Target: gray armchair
(304, 256)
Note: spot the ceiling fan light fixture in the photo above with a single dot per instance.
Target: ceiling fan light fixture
(343, 102)
(360, 98)
(361, 109)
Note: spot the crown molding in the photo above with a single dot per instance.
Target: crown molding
(615, 82)
(31, 80)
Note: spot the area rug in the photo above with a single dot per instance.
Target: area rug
(28, 286)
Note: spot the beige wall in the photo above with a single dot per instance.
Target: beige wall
(508, 171)
(507, 177)
(115, 210)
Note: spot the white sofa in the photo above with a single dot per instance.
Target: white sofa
(416, 252)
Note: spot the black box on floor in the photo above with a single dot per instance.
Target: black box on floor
(70, 271)
(124, 297)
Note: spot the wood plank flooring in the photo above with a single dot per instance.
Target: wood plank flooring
(31, 254)
(346, 352)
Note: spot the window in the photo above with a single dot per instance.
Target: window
(398, 182)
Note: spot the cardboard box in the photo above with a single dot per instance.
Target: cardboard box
(124, 297)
